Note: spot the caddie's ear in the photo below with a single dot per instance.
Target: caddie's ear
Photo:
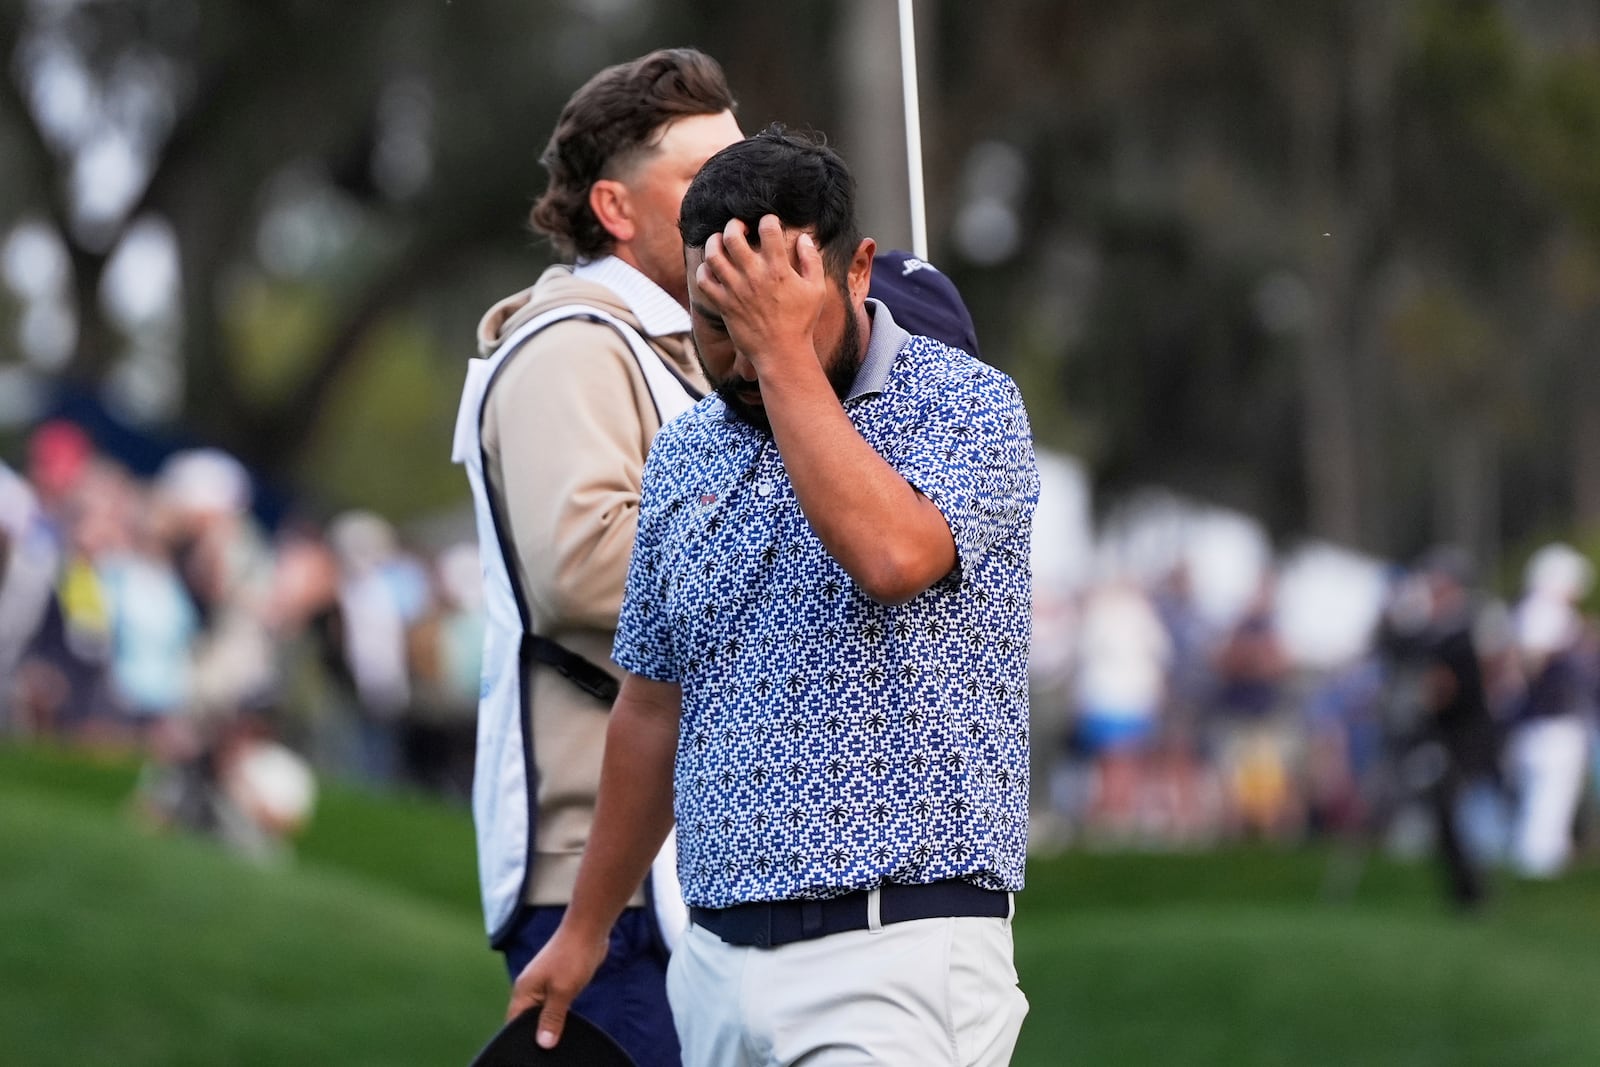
(613, 207)
(860, 273)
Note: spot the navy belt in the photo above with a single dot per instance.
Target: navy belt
(764, 925)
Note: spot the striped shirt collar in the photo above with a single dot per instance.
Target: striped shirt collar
(657, 312)
(883, 344)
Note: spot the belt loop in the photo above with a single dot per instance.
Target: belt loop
(1011, 907)
(875, 910)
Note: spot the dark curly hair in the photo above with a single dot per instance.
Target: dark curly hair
(794, 176)
(609, 123)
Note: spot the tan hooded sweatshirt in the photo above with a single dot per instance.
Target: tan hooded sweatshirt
(565, 432)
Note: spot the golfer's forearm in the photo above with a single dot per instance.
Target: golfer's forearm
(888, 537)
(632, 816)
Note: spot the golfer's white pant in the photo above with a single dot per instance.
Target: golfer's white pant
(1549, 758)
(929, 992)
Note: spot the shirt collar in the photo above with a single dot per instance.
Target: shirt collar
(883, 344)
(656, 311)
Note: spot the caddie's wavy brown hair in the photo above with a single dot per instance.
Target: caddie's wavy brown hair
(607, 125)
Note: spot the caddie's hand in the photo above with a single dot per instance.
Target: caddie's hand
(551, 981)
(769, 294)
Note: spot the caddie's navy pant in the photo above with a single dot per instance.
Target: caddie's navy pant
(628, 997)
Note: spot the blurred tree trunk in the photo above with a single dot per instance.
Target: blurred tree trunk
(98, 342)
(206, 216)
(1342, 113)
(1585, 400)
(1327, 384)
(1467, 485)
(1377, 32)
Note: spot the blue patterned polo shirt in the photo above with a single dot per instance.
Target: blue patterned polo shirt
(829, 743)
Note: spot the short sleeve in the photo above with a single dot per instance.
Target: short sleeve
(644, 643)
(971, 454)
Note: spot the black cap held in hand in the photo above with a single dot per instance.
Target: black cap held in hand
(582, 1045)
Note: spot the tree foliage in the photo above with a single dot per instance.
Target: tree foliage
(1338, 264)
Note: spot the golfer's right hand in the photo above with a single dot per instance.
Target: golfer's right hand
(553, 978)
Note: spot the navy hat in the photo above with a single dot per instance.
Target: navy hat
(922, 300)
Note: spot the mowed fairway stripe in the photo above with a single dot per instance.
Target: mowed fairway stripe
(1230, 984)
(121, 947)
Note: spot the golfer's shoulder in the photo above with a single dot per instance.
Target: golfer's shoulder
(692, 441)
(936, 370)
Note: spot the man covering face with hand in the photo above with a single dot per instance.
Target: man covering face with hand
(825, 630)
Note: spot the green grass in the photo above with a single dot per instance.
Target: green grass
(117, 946)
(1236, 958)
(405, 841)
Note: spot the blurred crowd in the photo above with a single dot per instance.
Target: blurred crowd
(158, 616)
(1464, 725)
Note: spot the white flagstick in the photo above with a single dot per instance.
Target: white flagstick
(908, 75)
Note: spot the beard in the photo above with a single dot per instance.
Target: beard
(743, 398)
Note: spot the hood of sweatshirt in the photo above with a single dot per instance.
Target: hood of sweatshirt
(557, 287)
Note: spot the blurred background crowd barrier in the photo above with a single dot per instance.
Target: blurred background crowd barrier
(1195, 687)
(159, 617)
(1191, 686)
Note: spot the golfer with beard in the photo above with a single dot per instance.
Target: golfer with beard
(825, 631)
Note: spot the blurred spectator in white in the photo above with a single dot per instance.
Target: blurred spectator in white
(1549, 741)
(1189, 672)
(224, 563)
(1328, 605)
(1123, 652)
(302, 615)
(446, 658)
(269, 791)
(371, 636)
(29, 557)
(220, 559)
(1183, 803)
(243, 788)
(153, 622)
